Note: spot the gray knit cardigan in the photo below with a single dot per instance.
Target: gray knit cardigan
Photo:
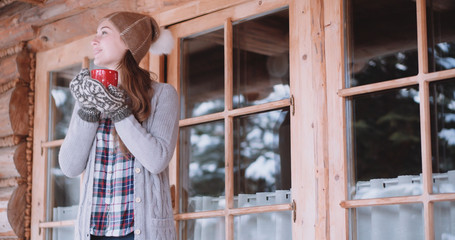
(152, 143)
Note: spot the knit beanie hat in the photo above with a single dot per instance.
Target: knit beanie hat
(141, 33)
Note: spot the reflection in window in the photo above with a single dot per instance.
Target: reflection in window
(442, 105)
(441, 34)
(382, 40)
(61, 101)
(385, 144)
(266, 226)
(261, 59)
(202, 167)
(261, 156)
(203, 228)
(388, 222)
(444, 220)
(62, 192)
(202, 81)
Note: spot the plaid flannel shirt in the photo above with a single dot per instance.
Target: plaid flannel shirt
(113, 189)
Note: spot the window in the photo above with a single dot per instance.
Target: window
(62, 192)
(233, 156)
(398, 112)
(55, 197)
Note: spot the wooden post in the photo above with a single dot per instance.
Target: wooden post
(308, 86)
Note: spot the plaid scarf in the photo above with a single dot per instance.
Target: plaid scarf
(113, 191)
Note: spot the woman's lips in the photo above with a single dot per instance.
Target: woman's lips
(96, 51)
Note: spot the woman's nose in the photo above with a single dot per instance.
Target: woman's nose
(95, 41)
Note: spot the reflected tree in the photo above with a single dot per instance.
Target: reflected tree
(386, 124)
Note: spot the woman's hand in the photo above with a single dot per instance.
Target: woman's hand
(88, 111)
(91, 93)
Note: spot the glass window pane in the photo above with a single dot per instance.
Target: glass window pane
(382, 39)
(261, 59)
(202, 81)
(384, 144)
(59, 233)
(441, 38)
(63, 192)
(262, 163)
(61, 101)
(442, 106)
(401, 222)
(264, 226)
(444, 220)
(201, 229)
(202, 167)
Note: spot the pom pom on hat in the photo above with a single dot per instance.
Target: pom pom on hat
(164, 43)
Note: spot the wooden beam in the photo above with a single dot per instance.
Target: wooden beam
(186, 10)
(50, 36)
(334, 55)
(24, 32)
(308, 86)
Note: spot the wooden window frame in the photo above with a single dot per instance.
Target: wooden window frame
(316, 73)
(223, 18)
(46, 62)
(338, 94)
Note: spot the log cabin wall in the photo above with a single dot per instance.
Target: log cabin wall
(27, 27)
(16, 117)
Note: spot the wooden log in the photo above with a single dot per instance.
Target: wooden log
(5, 52)
(14, 108)
(50, 35)
(16, 210)
(5, 2)
(36, 2)
(10, 141)
(8, 182)
(24, 32)
(5, 228)
(14, 67)
(7, 86)
(13, 162)
(5, 193)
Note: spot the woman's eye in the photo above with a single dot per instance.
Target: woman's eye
(103, 33)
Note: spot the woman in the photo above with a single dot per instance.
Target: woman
(123, 138)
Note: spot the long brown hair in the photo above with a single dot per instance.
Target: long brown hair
(137, 83)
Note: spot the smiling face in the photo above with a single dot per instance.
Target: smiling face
(108, 47)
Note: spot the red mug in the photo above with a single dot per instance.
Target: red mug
(105, 76)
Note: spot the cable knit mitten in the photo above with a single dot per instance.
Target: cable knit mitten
(95, 98)
(119, 113)
(87, 112)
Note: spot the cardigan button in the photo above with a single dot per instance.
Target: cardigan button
(138, 200)
(138, 170)
(137, 232)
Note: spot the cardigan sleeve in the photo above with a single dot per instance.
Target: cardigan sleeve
(77, 144)
(153, 147)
